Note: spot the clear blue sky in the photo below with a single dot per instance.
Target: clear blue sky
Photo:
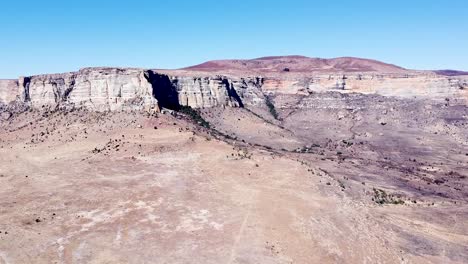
(57, 36)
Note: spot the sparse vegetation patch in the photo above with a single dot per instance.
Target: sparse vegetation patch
(271, 107)
(381, 197)
(194, 115)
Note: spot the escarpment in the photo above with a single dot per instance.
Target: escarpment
(8, 90)
(219, 91)
(120, 89)
(113, 89)
(96, 88)
(173, 91)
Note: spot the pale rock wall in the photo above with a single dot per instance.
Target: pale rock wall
(97, 88)
(8, 90)
(201, 92)
(427, 86)
(120, 89)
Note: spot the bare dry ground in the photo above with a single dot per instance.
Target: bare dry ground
(315, 185)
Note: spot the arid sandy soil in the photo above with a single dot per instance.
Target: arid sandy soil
(315, 185)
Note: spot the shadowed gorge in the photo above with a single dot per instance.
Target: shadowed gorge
(164, 90)
(232, 92)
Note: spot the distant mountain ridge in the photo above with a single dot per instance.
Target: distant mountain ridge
(296, 63)
(451, 72)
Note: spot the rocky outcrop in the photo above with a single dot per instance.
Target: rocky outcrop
(8, 90)
(97, 88)
(138, 89)
(429, 86)
(201, 92)
(119, 89)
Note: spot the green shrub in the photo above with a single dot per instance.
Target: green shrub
(194, 115)
(381, 197)
(271, 107)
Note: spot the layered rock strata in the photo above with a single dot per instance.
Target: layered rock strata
(119, 89)
(138, 89)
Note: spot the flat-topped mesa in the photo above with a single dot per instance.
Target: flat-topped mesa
(96, 88)
(128, 89)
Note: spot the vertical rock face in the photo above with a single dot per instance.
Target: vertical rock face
(206, 92)
(424, 85)
(120, 89)
(200, 92)
(23, 88)
(117, 89)
(97, 88)
(8, 90)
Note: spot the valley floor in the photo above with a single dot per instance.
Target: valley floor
(83, 187)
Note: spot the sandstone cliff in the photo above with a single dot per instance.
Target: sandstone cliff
(8, 90)
(118, 89)
(200, 92)
(429, 86)
(97, 88)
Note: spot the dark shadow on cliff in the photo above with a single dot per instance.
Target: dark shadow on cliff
(232, 92)
(164, 90)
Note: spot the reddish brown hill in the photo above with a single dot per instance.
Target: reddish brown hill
(451, 72)
(299, 64)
